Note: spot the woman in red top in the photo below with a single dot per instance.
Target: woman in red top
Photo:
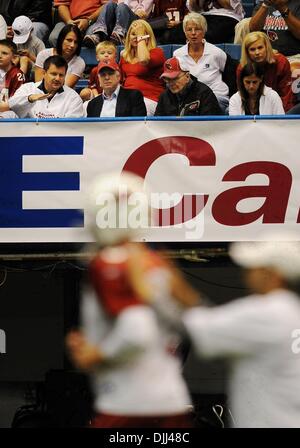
(142, 63)
(257, 48)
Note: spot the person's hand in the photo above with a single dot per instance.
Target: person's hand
(84, 355)
(71, 22)
(24, 53)
(82, 24)
(141, 14)
(39, 96)
(4, 107)
(172, 23)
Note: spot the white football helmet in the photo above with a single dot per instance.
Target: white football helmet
(117, 208)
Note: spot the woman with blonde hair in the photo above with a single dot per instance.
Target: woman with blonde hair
(142, 63)
(257, 48)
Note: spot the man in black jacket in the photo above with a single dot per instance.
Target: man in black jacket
(38, 11)
(115, 101)
(185, 95)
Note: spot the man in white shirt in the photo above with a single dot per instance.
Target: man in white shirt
(257, 334)
(115, 101)
(49, 98)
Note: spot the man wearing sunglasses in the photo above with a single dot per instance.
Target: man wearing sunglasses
(184, 94)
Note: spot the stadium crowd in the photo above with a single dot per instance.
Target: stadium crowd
(33, 32)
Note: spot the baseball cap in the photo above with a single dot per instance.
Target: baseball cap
(280, 251)
(172, 68)
(109, 64)
(21, 26)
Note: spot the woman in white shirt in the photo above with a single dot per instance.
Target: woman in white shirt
(203, 60)
(68, 46)
(253, 96)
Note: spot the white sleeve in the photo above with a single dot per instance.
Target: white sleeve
(40, 46)
(19, 101)
(235, 105)
(75, 109)
(41, 57)
(277, 107)
(77, 68)
(239, 328)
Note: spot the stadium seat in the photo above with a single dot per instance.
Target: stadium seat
(233, 50)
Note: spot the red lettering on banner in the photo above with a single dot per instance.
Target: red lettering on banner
(273, 210)
(198, 152)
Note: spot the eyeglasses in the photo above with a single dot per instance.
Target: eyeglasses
(170, 80)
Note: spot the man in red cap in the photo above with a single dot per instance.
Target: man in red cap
(184, 95)
(115, 101)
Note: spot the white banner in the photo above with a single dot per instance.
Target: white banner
(243, 175)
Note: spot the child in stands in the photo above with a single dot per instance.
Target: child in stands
(28, 44)
(11, 77)
(105, 51)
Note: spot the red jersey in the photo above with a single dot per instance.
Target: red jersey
(110, 277)
(174, 9)
(10, 82)
(145, 78)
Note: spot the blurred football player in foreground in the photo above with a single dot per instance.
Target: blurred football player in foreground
(137, 382)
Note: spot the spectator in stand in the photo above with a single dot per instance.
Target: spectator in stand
(280, 20)
(38, 11)
(254, 97)
(115, 19)
(3, 28)
(69, 47)
(28, 44)
(295, 68)
(105, 51)
(11, 77)
(142, 63)
(166, 21)
(115, 101)
(82, 13)
(221, 15)
(203, 60)
(277, 73)
(49, 98)
(185, 95)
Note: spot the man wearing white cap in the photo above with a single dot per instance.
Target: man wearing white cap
(257, 334)
(28, 44)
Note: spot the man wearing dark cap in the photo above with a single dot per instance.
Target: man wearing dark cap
(184, 94)
(115, 101)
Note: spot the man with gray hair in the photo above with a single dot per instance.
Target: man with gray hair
(257, 334)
